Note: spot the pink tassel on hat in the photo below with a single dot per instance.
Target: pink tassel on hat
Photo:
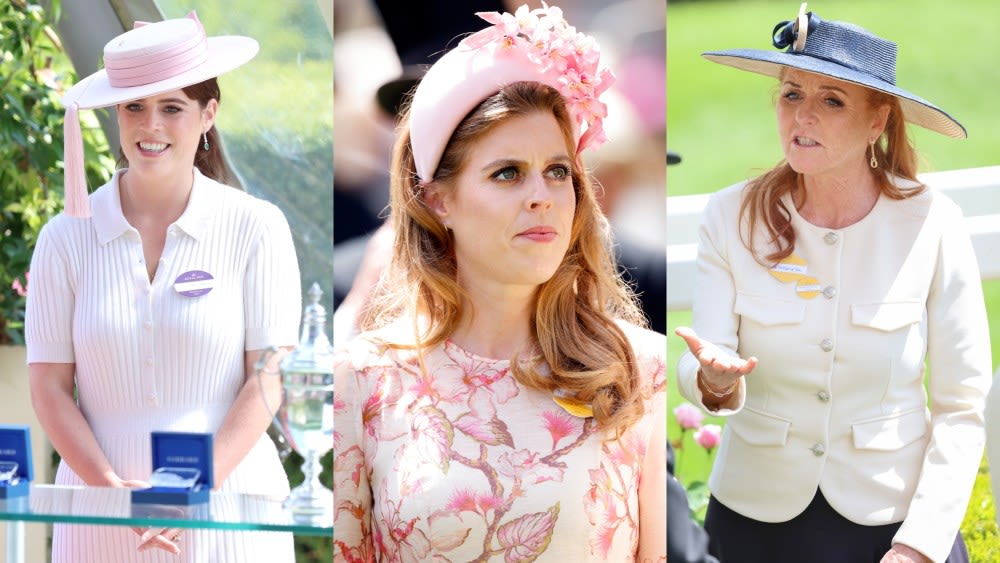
(75, 181)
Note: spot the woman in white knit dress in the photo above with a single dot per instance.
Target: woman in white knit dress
(153, 299)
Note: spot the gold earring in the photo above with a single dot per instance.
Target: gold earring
(873, 162)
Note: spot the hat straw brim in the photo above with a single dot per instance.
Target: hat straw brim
(916, 110)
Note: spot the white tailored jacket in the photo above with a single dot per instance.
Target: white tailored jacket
(837, 401)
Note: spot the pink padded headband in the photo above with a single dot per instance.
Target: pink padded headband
(529, 45)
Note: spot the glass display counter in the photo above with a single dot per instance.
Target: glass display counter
(114, 507)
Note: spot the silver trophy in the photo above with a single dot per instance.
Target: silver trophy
(305, 416)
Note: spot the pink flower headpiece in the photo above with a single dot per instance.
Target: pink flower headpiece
(529, 45)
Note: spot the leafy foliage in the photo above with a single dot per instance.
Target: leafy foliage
(34, 73)
(979, 529)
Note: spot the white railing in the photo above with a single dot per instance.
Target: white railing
(975, 190)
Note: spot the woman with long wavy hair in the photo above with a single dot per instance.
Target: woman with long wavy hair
(504, 399)
(825, 286)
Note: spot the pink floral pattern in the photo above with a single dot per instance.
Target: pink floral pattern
(467, 465)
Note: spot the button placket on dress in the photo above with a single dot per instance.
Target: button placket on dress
(144, 307)
(161, 282)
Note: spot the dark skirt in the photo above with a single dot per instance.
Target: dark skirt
(818, 535)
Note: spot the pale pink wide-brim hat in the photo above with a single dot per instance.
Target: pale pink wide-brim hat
(149, 60)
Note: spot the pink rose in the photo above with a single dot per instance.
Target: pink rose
(688, 416)
(708, 436)
(21, 290)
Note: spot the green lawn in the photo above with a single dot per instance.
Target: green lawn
(721, 121)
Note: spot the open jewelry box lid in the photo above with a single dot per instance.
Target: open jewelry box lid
(183, 471)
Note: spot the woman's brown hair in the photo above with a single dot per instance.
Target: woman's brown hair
(212, 162)
(762, 203)
(587, 353)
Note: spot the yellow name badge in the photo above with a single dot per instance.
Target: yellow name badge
(807, 288)
(790, 269)
(795, 269)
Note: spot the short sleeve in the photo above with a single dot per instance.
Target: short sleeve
(48, 326)
(272, 286)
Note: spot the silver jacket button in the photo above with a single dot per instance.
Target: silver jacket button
(818, 450)
(823, 396)
(829, 292)
(831, 238)
(826, 344)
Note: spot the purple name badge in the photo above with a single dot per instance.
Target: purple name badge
(194, 283)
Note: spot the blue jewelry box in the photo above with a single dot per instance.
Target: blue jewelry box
(16, 470)
(183, 472)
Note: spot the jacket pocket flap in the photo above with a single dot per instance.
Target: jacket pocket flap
(759, 428)
(769, 311)
(891, 432)
(887, 316)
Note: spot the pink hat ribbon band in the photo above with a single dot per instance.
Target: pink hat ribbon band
(126, 70)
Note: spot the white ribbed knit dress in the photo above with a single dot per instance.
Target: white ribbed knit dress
(151, 358)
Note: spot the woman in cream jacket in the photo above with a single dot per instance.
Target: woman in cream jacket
(824, 285)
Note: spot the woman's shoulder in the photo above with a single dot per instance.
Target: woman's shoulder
(724, 204)
(64, 227)
(61, 225)
(650, 349)
(729, 195)
(99, 200)
(925, 199)
(386, 346)
(236, 201)
(643, 339)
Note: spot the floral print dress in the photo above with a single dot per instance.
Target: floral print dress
(458, 462)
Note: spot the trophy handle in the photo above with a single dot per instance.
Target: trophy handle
(259, 370)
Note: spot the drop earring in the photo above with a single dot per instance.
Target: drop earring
(204, 137)
(873, 162)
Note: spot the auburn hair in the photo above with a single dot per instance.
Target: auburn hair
(586, 352)
(762, 196)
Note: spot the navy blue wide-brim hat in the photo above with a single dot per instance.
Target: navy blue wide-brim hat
(843, 51)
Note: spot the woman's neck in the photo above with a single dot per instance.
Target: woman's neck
(154, 196)
(836, 202)
(496, 322)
